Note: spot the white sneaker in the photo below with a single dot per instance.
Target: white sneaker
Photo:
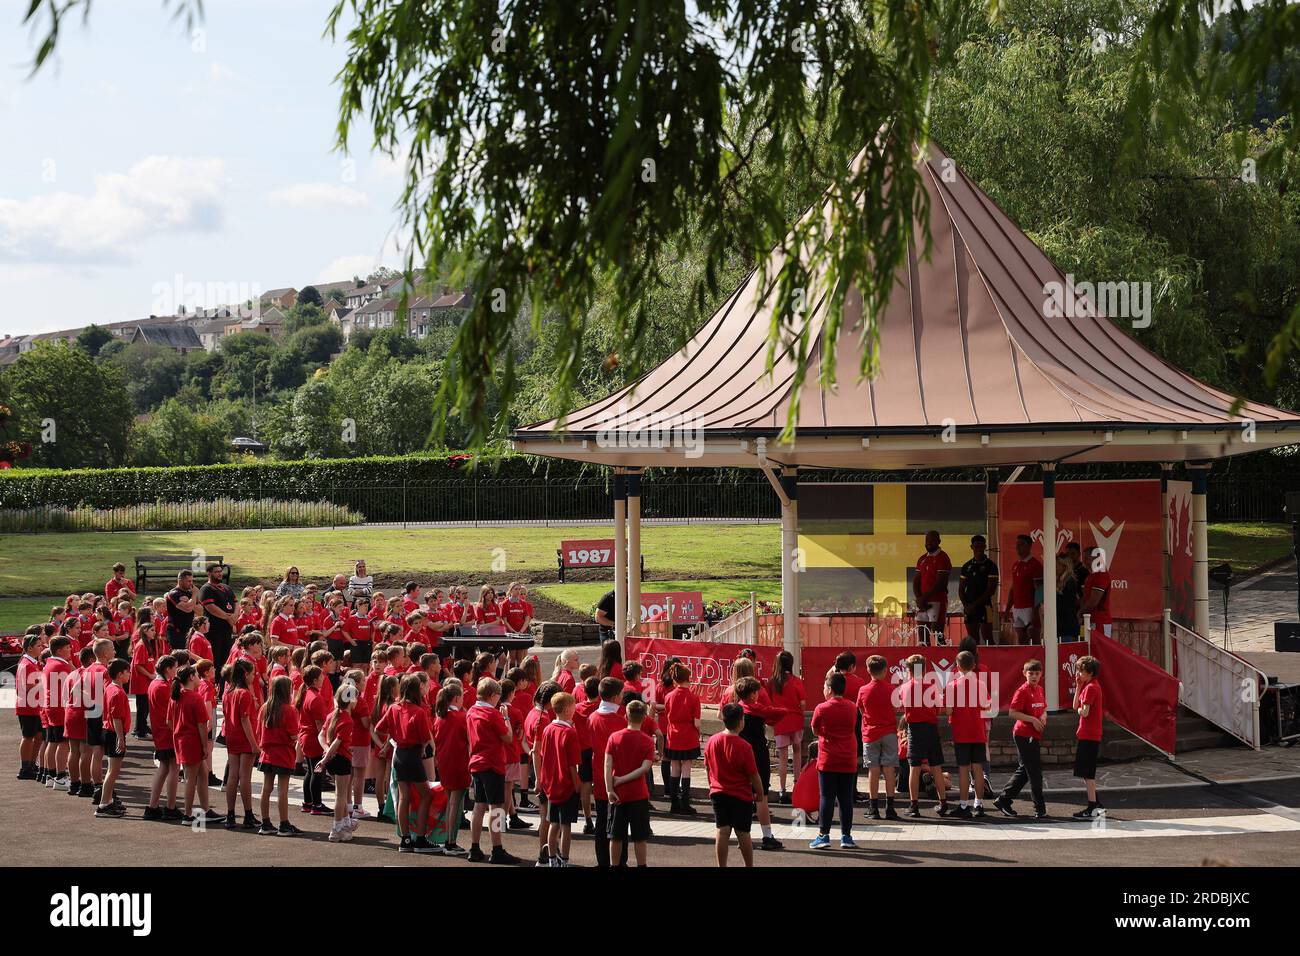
(351, 823)
(338, 834)
(361, 813)
(49, 782)
(61, 783)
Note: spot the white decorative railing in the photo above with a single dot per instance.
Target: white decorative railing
(1217, 684)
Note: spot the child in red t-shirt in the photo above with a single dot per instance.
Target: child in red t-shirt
(164, 753)
(629, 755)
(787, 692)
(277, 723)
(117, 720)
(733, 784)
(489, 733)
(337, 759)
(1088, 705)
(966, 721)
(561, 754)
(1029, 710)
(409, 725)
(833, 721)
(879, 732)
(682, 729)
(451, 744)
(190, 722)
(238, 712)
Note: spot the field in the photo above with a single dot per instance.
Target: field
(721, 561)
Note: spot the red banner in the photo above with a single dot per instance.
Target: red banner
(710, 664)
(588, 553)
(1005, 664)
(1120, 517)
(680, 607)
(1136, 694)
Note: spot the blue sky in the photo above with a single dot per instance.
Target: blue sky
(145, 164)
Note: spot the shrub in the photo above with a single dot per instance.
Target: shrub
(183, 516)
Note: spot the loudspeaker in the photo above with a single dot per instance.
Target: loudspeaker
(1286, 636)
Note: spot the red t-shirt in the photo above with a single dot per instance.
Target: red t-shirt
(876, 703)
(566, 681)
(160, 728)
(487, 746)
(278, 740)
(451, 745)
(929, 567)
(486, 614)
(143, 656)
(852, 684)
(914, 698)
(114, 586)
(312, 715)
(514, 613)
(407, 724)
(965, 720)
(200, 647)
(343, 727)
(1023, 575)
(74, 712)
(833, 722)
(630, 749)
(1090, 726)
(1099, 580)
(1028, 699)
(29, 687)
(187, 716)
(681, 710)
(602, 726)
(235, 705)
(730, 762)
(560, 755)
(284, 630)
(581, 713)
(534, 723)
(116, 707)
(788, 698)
(57, 681)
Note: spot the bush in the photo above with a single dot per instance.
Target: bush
(187, 516)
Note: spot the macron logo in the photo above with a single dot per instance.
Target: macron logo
(82, 910)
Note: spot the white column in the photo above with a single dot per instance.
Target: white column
(789, 577)
(1200, 547)
(620, 554)
(1051, 662)
(634, 547)
(1166, 475)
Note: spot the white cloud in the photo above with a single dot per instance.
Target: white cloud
(307, 195)
(157, 196)
(219, 72)
(345, 267)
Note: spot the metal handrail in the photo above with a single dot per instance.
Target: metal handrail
(1187, 636)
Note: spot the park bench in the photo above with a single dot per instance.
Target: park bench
(582, 554)
(169, 565)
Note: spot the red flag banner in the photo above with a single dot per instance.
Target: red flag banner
(1139, 696)
(710, 664)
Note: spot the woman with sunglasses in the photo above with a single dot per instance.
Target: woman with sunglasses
(291, 585)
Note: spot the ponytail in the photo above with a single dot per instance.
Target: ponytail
(180, 680)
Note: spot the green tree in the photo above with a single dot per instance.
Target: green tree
(93, 338)
(309, 296)
(74, 411)
(175, 434)
(152, 373)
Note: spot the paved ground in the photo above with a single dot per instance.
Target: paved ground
(1253, 606)
(1184, 824)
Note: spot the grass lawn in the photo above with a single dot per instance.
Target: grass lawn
(1246, 546)
(581, 596)
(16, 614)
(56, 563)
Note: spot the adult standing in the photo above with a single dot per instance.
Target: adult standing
(360, 584)
(1068, 594)
(604, 615)
(119, 582)
(218, 600)
(1026, 577)
(182, 602)
(978, 585)
(1096, 592)
(1080, 570)
(291, 585)
(930, 587)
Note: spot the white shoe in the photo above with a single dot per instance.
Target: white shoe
(361, 813)
(339, 834)
(49, 782)
(351, 823)
(61, 783)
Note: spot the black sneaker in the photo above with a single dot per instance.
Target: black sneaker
(215, 781)
(1003, 806)
(173, 815)
(499, 855)
(421, 844)
(1085, 814)
(288, 829)
(526, 804)
(771, 843)
(212, 816)
(979, 811)
(267, 829)
(1040, 814)
(152, 813)
(475, 854)
(88, 791)
(944, 810)
(588, 828)
(890, 812)
(961, 813)
(913, 811)
(27, 773)
(250, 822)
(110, 810)
(405, 845)
(96, 794)
(873, 813)
(517, 822)
(464, 822)
(452, 849)
(230, 821)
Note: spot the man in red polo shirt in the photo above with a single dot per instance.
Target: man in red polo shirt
(930, 588)
(119, 582)
(1096, 592)
(1026, 576)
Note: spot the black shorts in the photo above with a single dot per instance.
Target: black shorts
(489, 787)
(163, 756)
(680, 755)
(408, 765)
(95, 732)
(584, 766)
(361, 652)
(923, 744)
(277, 771)
(629, 821)
(969, 754)
(30, 725)
(336, 649)
(975, 623)
(566, 812)
(54, 734)
(1085, 759)
(729, 811)
(111, 745)
(339, 766)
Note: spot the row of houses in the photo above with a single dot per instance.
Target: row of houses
(351, 305)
